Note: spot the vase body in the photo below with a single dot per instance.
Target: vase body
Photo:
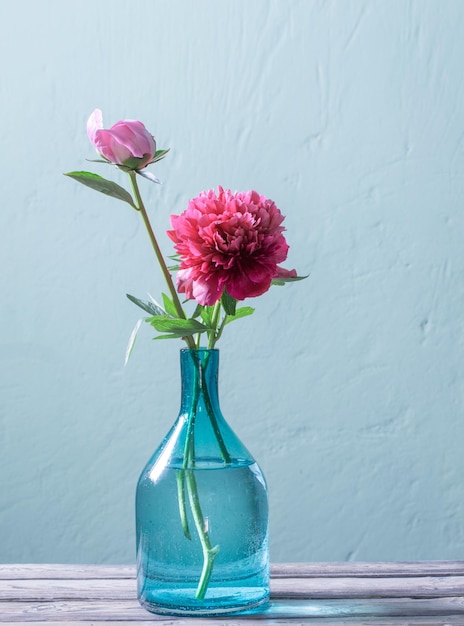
(201, 509)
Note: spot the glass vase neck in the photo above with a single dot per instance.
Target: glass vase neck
(203, 435)
(199, 370)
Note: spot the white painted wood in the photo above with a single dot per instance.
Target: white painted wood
(360, 594)
(295, 570)
(362, 569)
(47, 590)
(341, 587)
(38, 571)
(368, 612)
(389, 621)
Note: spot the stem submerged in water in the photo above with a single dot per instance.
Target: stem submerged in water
(182, 504)
(209, 553)
(186, 475)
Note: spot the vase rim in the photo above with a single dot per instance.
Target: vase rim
(201, 349)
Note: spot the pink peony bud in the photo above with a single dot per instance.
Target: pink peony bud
(126, 143)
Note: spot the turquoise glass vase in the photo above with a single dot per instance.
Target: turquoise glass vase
(201, 509)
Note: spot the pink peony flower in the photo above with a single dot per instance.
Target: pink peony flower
(126, 143)
(230, 242)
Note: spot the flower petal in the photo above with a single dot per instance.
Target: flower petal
(231, 241)
(126, 143)
(94, 123)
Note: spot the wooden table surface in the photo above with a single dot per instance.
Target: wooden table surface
(429, 592)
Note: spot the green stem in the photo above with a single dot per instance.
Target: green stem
(214, 323)
(180, 477)
(199, 370)
(188, 459)
(209, 553)
(186, 474)
(167, 275)
(212, 418)
(221, 328)
(189, 449)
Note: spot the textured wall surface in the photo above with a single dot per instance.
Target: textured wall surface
(349, 387)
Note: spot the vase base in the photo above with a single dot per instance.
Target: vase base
(219, 602)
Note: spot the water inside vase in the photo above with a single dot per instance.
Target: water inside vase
(234, 504)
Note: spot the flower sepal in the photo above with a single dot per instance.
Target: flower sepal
(159, 154)
(149, 176)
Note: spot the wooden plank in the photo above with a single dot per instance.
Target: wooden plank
(293, 570)
(46, 571)
(391, 621)
(63, 611)
(278, 612)
(423, 587)
(368, 569)
(341, 593)
(48, 590)
(278, 570)
(43, 590)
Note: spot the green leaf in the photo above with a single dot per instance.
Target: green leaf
(288, 279)
(148, 307)
(243, 311)
(169, 306)
(229, 303)
(94, 181)
(207, 315)
(132, 338)
(177, 327)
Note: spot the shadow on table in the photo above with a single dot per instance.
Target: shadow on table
(389, 607)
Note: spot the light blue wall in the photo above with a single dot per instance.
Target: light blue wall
(349, 387)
